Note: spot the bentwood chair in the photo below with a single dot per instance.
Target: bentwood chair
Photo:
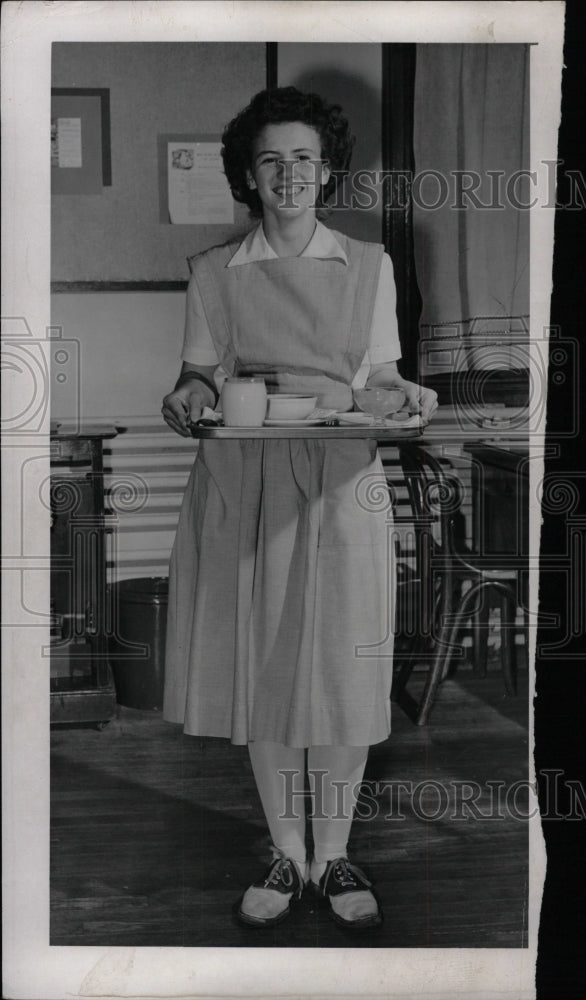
(425, 585)
(443, 586)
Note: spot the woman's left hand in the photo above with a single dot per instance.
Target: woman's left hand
(420, 400)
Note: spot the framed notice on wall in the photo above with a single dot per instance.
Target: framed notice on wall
(80, 140)
(192, 187)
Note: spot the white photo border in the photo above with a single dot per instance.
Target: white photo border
(32, 968)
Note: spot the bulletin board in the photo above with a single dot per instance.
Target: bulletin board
(80, 140)
(117, 236)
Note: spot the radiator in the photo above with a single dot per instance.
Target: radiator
(146, 468)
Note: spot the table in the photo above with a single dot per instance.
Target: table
(496, 565)
(500, 499)
(82, 688)
(500, 525)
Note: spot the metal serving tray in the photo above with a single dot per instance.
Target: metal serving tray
(318, 431)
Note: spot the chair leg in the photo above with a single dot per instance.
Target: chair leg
(508, 643)
(434, 678)
(441, 661)
(480, 634)
(404, 671)
(447, 614)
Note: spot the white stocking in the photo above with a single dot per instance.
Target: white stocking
(279, 774)
(335, 774)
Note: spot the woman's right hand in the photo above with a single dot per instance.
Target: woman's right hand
(185, 404)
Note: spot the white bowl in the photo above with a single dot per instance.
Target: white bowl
(286, 406)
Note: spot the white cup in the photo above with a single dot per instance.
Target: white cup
(244, 402)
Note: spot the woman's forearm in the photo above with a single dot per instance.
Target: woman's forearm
(201, 375)
(385, 374)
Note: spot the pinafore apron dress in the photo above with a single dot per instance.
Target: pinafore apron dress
(280, 621)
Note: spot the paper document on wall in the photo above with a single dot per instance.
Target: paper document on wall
(198, 192)
(66, 142)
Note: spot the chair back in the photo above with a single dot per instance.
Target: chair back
(434, 504)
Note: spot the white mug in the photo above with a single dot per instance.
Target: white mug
(244, 402)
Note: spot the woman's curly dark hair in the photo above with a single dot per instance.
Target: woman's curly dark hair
(273, 107)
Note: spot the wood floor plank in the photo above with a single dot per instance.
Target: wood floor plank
(155, 835)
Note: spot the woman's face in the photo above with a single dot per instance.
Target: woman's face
(287, 169)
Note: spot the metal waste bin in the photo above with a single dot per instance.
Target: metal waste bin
(137, 649)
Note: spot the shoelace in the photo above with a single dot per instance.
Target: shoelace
(281, 871)
(348, 875)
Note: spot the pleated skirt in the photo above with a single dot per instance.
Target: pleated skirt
(281, 595)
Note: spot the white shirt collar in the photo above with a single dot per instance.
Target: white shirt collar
(323, 245)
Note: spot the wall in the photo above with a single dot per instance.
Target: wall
(129, 342)
(155, 88)
(349, 75)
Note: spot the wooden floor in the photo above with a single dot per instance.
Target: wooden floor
(155, 834)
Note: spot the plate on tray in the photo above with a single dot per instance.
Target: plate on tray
(354, 418)
(306, 422)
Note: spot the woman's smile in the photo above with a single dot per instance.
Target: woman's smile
(288, 193)
(290, 189)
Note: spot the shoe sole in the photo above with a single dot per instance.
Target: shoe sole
(350, 925)
(258, 923)
(356, 926)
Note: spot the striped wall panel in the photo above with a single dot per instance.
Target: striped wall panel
(146, 468)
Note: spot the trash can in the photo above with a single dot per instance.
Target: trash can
(137, 649)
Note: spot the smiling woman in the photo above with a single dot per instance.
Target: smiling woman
(279, 573)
